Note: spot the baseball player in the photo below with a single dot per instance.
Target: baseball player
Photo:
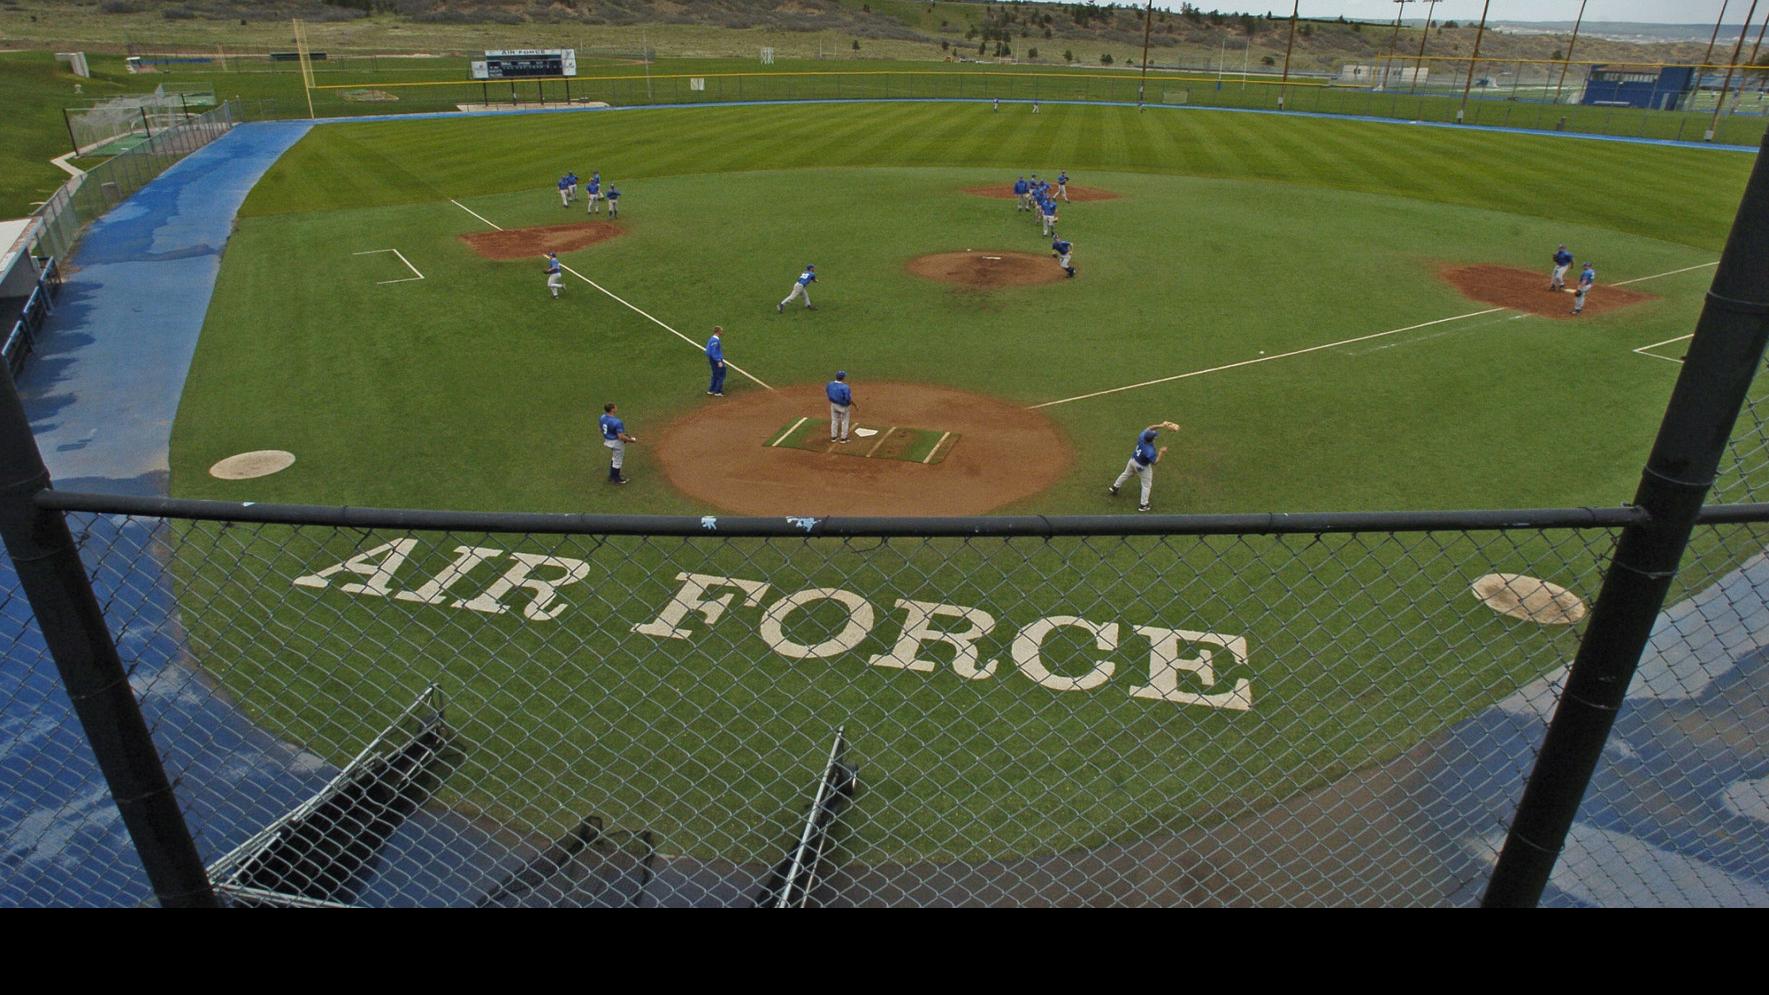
(593, 192)
(1062, 185)
(841, 404)
(1142, 462)
(555, 275)
(1034, 105)
(1562, 260)
(998, 105)
(1047, 210)
(1060, 249)
(1587, 279)
(801, 287)
(615, 438)
(715, 357)
(564, 194)
(613, 196)
(1023, 191)
(571, 182)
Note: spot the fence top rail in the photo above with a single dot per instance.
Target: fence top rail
(1001, 526)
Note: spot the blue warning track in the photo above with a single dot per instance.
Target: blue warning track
(102, 391)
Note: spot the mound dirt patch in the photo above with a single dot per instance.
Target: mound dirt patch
(1529, 598)
(1527, 290)
(718, 454)
(1005, 192)
(525, 243)
(987, 268)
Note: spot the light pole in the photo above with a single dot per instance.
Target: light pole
(1148, 23)
(1422, 36)
(1295, 6)
(1569, 47)
(1707, 59)
(1400, 8)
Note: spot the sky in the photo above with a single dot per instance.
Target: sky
(1660, 11)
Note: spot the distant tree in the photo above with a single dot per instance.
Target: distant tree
(1557, 55)
(1452, 25)
(1047, 32)
(1268, 61)
(856, 44)
(1031, 53)
(1068, 55)
(945, 45)
(1106, 59)
(983, 48)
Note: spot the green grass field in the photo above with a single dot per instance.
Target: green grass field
(1232, 237)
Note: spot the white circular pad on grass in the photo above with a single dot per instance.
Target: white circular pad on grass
(245, 466)
(1529, 598)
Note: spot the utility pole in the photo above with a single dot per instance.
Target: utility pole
(1566, 64)
(1295, 6)
(1707, 60)
(1478, 35)
(1388, 64)
(1420, 64)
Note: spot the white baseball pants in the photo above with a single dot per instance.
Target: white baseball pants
(1559, 277)
(838, 421)
(618, 451)
(1146, 472)
(798, 289)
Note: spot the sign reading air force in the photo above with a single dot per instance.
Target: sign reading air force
(526, 63)
(1182, 666)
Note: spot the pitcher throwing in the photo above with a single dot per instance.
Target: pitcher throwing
(1142, 462)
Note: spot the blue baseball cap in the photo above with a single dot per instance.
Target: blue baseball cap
(841, 374)
(1148, 435)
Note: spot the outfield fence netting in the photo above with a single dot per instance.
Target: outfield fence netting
(397, 716)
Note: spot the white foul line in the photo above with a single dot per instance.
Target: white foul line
(789, 430)
(880, 441)
(1335, 345)
(1643, 349)
(937, 445)
(476, 214)
(401, 255)
(619, 299)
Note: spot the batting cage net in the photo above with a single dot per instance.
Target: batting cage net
(1310, 712)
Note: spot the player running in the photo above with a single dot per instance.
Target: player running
(800, 288)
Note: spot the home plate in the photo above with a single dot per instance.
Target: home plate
(866, 433)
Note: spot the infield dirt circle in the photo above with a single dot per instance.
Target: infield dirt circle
(1527, 290)
(719, 454)
(522, 243)
(983, 269)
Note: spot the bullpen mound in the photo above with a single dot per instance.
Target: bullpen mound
(1527, 290)
(1004, 191)
(987, 268)
(523, 243)
(720, 454)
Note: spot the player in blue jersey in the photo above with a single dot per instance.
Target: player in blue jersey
(841, 405)
(1587, 280)
(1562, 260)
(1047, 211)
(1142, 462)
(593, 192)
(615, 438)
(564, 194)
(613, 196)
(1061, 250)
(1062, 185)
(800, 287)
(1023, 192)
(555, 278)
(715, 357)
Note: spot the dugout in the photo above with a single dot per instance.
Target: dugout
(1659, 88)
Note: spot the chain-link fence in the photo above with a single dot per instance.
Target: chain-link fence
(80, 201)
(400, 716)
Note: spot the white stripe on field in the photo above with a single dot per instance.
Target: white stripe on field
(930, 453)
(628, 304)
(789, 430)
(1334, 345)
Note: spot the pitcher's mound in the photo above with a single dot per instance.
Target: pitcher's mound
(987, 268)
(719, 454)
(1004, 191)
(524, 243)
(258, 463)
(1527, 290)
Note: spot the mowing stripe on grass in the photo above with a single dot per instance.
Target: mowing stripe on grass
(652, 318)
(1335, 345)
(783, 436)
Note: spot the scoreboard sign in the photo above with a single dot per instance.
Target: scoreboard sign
(526, 63)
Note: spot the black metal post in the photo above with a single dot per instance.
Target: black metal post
(1148, 24)
(75, 142)
(1722, 359)
(68, 613)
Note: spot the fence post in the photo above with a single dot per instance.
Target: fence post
(73, 626)
(1723, 358)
